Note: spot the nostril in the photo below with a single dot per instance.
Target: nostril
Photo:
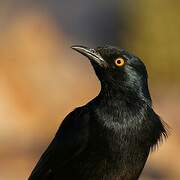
(93, 51)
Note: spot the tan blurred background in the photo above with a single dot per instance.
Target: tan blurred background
(42, 79)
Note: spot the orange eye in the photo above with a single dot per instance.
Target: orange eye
(119, 62)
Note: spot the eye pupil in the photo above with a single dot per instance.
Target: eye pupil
(118, 61)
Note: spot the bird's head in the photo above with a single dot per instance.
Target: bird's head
(118, 70)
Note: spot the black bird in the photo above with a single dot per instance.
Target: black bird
(111, 136)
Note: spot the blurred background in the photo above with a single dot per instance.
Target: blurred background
(42, 79)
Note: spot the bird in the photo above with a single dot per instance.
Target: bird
(110, 137)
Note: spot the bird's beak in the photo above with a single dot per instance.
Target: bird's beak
(92, 54)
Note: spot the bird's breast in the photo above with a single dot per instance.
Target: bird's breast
(120, 145)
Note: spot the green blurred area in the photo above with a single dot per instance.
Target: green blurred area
(155, 37)
(41, 79)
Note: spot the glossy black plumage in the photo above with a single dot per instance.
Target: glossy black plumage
(111, 136)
